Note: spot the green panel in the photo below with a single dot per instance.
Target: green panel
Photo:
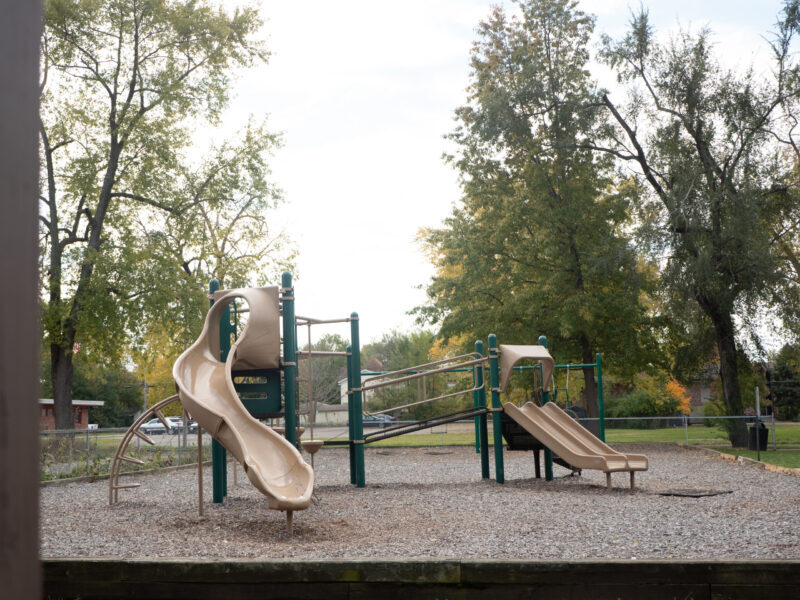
(262, 399)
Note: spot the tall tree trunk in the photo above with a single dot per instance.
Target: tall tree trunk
(61, 353)
(589, 382)
(61, 376)
(728, 368)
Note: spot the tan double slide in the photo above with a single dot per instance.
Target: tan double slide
(573, 443)
(205, 387)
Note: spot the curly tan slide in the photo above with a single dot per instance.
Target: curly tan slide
(569, 440)
(205, 387)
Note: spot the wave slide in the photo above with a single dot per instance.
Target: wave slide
(573, 443)
(205, 386)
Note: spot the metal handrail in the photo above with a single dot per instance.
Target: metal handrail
(418, 372)
(427, 400)
(313, 321)
(321, 353)
(417, 375)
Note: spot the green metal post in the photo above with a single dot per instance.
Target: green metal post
(289, 359)
(351, 423)
(548, 454)
(483, 435)
(476, 403)
(601, 409)
(219, 487)
(357, 438)
(497, 428)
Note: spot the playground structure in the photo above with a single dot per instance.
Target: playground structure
(232, 382)
(206, 389)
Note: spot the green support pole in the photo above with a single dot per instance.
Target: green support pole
(476, 403)
(358, 423)
(289, 359)
(351, 423)
(497, 429)
(548, 454)
(483, 435)
(219, 487)
(601, 409)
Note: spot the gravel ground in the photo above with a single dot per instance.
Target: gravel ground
(432, 503)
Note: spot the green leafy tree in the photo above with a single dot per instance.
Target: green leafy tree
(120, 389)
(538, 244)
(397, 351)
(326, 371)
(711, 146)
(784, 383)
(131, 221)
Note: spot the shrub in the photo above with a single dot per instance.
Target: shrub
(649, 400)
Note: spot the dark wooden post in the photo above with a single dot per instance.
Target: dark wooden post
(20, 27)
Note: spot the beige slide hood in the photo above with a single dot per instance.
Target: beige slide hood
(205, 387)
(570, 441)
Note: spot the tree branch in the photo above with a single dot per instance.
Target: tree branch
(145, 200)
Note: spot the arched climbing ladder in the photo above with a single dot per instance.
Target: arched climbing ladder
(120, 455)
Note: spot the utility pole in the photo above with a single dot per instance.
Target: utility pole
(145, 386)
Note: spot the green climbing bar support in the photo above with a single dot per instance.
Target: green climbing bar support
(548, 454)
(482, 434)
(600, 404)
(497, 428)
(357, 422)
(289, 358)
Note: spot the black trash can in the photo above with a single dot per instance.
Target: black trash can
(761, 431)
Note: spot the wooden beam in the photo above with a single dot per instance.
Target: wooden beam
(20, 27)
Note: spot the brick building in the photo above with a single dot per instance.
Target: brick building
(80, 413)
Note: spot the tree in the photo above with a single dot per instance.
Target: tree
(538, 244)
(326, 371)
(118, 388)
(709, 144)
(397, 351)
(784, 382)
(128, 217)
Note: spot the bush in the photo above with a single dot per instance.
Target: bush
(671, 400)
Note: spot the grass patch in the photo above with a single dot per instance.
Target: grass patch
(787, 435)
(430, 439)
(781, 458)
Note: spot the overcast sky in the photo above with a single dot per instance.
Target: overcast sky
(363, 92)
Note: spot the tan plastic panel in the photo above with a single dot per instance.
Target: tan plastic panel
(511, 355)
(205, 387)
(570, 441)
(261, 347)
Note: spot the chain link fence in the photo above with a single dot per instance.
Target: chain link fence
(89, 452)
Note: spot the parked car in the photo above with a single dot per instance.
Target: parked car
(176, 424)
(192, 425)
(379, 420)
(153, 427)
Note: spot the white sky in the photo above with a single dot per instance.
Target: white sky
(363, 92)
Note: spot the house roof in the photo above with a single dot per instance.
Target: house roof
(49, 402)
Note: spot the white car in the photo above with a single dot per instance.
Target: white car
(176, 424)
(153, 427)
